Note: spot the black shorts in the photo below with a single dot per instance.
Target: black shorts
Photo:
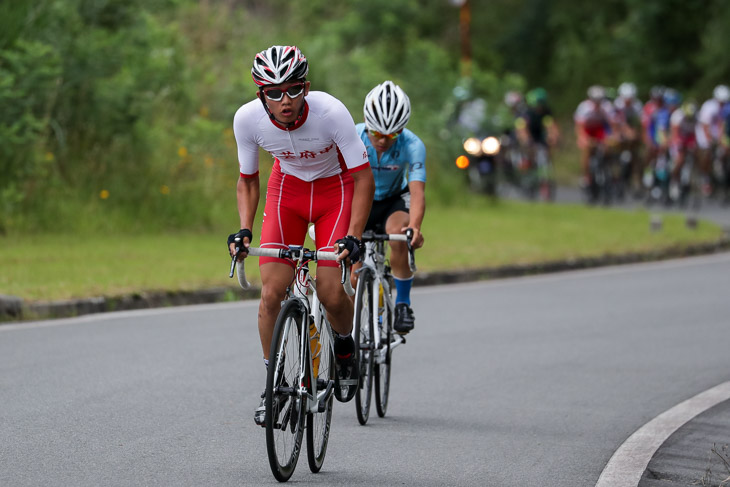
(382, 209)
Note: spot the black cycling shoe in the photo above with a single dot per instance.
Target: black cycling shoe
(404, 319)
(347, 373)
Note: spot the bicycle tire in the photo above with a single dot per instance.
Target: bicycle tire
(318, 424)
(285, 425)
(363, 333)
(382, 370)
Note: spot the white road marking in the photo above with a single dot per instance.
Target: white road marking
(628, 463)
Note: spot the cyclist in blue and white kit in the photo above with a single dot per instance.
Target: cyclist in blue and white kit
(398, 160)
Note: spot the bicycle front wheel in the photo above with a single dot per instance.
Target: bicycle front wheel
(383, 355)
(285, 407)
(363, 333)
(318, 424)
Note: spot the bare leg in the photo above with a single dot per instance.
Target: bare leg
(398, 250)
(275, 278)
(338, 304)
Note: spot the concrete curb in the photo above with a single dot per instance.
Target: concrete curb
(13, 308)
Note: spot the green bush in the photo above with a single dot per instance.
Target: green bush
(28, 78)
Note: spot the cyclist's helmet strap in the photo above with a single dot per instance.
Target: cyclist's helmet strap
(387, 108)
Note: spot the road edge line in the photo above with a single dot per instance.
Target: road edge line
(629, 461)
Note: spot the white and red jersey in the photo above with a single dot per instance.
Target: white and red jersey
(709, 116)
(593, 115)
(685, 127)
(322, 143)
(647, 112)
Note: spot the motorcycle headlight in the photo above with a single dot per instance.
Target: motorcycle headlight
(473, 146)
(490, 145)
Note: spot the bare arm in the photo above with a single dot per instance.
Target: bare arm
(362, 200)
(417, 211)
(247, 197)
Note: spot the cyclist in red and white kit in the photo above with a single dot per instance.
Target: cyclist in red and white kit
(321, 175)
(595, 123)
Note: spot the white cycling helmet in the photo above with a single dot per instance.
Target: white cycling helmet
(596, 93)
(279, 64)
(721, 93)
(387, 108)
(627, 90)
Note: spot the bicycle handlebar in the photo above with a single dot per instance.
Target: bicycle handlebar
(370, 236)
(293, 253)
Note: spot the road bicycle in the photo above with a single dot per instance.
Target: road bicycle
(542, 179)
(605, 180)
(300, 380)
(373, 327)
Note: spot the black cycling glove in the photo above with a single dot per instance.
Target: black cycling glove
(354, 246)
(244, 232)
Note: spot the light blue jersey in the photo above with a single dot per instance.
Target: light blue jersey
(405, 161)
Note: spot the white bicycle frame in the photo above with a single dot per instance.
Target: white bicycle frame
(304, 289)
(375, 261)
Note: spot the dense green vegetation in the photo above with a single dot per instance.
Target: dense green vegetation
(116, 114)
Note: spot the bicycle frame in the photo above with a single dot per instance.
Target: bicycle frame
(304, 290)
(375, 261)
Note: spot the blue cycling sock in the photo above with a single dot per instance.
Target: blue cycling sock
(403, 288)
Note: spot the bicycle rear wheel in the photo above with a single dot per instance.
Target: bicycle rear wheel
(382, 363)
(284, 405)
(363, 333)
(318, 424)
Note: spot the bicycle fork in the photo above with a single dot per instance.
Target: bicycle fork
(381, 304)
(321, 389)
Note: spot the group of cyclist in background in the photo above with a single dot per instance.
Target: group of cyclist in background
(667, 150)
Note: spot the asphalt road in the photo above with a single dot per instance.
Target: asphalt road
(529, 381)
(710, 209)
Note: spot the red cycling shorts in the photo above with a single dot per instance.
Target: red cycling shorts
(687, 141)
(597, 132)
(291, 204)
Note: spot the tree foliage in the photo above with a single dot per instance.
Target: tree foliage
(136, 97)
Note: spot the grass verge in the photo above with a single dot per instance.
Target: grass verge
(478, 233)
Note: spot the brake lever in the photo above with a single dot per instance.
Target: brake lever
(234, 257)
(411, 251)
(409, 236)
(345, 273)
(233, 262)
